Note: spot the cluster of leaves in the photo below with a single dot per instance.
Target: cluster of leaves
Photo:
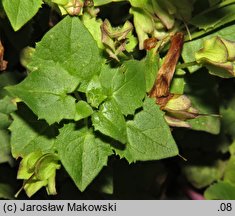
(85, 95)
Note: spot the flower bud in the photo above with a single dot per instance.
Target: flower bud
(180, 107)
(74, 7)
(71, 7)
(26, 56)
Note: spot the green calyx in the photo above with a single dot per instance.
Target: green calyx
(178, 110)
(71, 7)
(218, 55)
(38, 170)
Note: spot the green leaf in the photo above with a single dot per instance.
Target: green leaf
(126, 85)
(110, 121)
(106, 78)
(138, 3)
(4, 121)
(203, 175)
(93, 25)
(30, 134)
(7, 78)
(149, 136)
(232, 148)
(45, 92)
(83, 110)
(191, 47)
(178, 83)
(94, 92)
(229, 174)
(59, 63)
(20, 12)
(70, 45)
(82, 155)
(220, 191)
(59, 2)
(228, 118)
(132, 42)
(215, 18)
(6, 192)
(5, 148)
(141, 16)
(165, 11)
(7, 105)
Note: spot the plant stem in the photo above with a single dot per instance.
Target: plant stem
(86, 123)
(196, 35)
(77, 96)
(185, 65)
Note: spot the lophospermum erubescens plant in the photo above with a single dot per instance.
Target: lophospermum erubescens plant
(81, 86)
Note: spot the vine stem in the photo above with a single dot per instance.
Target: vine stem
(86, 122)
(196, 35)
(185, 65)
(185, 159)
